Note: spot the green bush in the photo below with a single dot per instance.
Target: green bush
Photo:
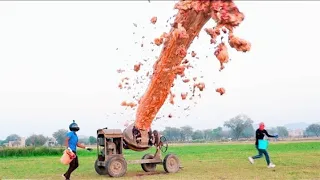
(30, 151)
(36, 151)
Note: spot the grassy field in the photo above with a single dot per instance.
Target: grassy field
(298, 160)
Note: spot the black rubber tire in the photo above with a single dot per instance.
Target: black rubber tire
(148, 167)
(101, 170)
(116, 166)
(171, 163)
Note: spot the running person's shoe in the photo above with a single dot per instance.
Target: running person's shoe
(251, 160)
(271, 165)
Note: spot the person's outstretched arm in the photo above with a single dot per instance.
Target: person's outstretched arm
(84, 147)
(266, 132)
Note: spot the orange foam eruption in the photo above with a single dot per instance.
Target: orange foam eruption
(189, 21)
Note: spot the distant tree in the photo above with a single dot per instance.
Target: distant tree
(2, 142)
(238, 124)
(186, 133)
(308, 134)
(313, 129)
(248, 132)
(36, 140)
(60, 136)
(171, 133)
(13, 137)
(208, 134)
(282, 131)
(217, 133)
(92, 140)
(272, 130)
(198, 134)
(83, 140)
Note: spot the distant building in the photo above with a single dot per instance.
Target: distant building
(17, 143)
(51, 142)
(296, 133)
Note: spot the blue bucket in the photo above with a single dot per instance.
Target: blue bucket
(262, 144)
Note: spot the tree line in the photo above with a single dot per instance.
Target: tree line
(238, 127)
(40, 140)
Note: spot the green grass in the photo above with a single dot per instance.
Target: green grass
(202, 161)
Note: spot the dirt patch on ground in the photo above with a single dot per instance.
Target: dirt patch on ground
(149, 173)
(140, 175)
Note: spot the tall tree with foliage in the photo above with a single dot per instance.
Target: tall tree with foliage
(92, 140)
(238, 124)
(282, 131)
(197, 135)
(208, 135)
(13, 137)
(217, 133)
(248, 132)
(171, 133)
(36, 140)
(313, 129)
(2, 142)
(60, 136)
(186, 133)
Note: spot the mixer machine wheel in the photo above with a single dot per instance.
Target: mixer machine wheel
(116, 166)
(148, 167)
(171, 163)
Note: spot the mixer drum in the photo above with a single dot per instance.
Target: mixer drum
(137, 140)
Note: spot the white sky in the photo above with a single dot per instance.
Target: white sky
(58, 62)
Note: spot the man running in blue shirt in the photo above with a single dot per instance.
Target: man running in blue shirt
(72, 143)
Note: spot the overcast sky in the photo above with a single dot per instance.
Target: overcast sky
(58, 62)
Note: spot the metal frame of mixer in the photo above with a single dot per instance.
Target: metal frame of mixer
(111, 161)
